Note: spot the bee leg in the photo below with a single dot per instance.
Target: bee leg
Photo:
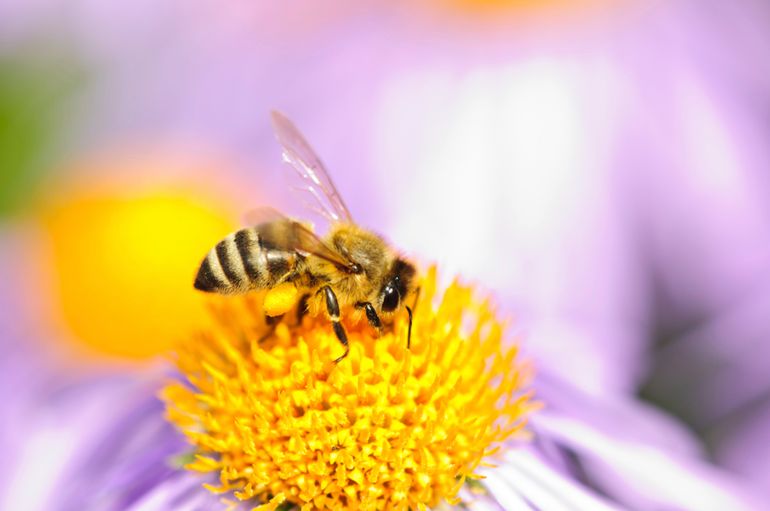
(409, 311)
(302, 308)
(339, 330)
(371, 315)
(272, 322)
(409, 332)
(333, 309)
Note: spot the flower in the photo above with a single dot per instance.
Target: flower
(386, 428)
(585, 455)
(111, 251)
(66, 451)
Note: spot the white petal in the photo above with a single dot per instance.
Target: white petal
(644, 477)
(526, 478)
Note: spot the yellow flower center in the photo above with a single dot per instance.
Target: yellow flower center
(386, 428)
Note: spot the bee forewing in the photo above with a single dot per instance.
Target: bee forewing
(317, 187)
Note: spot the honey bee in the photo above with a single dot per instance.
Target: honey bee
(350, 267)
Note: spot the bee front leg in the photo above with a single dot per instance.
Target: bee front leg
(333, 309)
(371, 315)
(409, 311)
(409, 332)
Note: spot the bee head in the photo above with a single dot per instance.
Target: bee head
(397, 286)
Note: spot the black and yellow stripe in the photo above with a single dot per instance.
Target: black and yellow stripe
(243, 261)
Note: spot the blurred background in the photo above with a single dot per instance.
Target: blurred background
(600, 167)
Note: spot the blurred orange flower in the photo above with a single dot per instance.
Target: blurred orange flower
(121, 262)
(518, 6)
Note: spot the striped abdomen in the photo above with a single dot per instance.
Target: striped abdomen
(243, 261)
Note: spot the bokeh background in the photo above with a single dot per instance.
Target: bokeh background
(602, 168)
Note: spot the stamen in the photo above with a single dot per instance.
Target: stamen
(386, 428)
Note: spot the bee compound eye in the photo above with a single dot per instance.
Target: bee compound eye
(390, 299)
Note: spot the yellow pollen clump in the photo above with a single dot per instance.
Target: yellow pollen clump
(386, 428)
(280, 299)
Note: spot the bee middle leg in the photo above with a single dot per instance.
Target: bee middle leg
(333, 309)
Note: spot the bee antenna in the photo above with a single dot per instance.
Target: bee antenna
(409, 331)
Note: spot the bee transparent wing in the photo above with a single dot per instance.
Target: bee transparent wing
(263, 215)
(315, 183)
(293, 236)
(306, 241)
